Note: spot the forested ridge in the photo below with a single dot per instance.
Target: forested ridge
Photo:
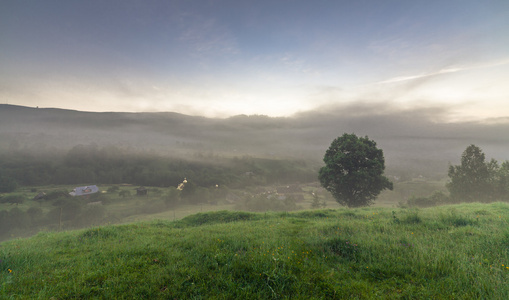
(91, 164)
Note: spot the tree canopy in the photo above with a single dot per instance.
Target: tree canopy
(475, 179)
(353, 171)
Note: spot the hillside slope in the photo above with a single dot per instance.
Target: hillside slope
(459, 252)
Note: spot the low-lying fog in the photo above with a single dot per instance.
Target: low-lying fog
(412, 140)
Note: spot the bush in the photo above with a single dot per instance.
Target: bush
(66, 210)
(124, 193)
(113, 189)
(420, 202)
(57, 194)
(13, 199)
(437, 198)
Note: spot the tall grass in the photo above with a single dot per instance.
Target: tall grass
(457, 252)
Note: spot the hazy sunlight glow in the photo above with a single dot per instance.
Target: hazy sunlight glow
(223, 58)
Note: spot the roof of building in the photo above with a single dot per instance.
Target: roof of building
(84, 190)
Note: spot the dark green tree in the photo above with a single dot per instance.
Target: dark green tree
(473, 180)
(353, 171)
(503, 181)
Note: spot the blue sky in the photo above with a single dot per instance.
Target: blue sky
(222, 58)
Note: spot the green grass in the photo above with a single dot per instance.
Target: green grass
(448, 252)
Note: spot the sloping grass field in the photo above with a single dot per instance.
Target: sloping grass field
(449, 252)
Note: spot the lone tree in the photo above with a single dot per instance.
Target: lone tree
(353, 171)
(473, 179)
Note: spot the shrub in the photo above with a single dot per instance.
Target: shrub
(13, 199)
(113, 189)
(437, 198)
(57, 194)
(124, 193)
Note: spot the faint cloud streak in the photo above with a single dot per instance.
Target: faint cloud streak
(444, 71)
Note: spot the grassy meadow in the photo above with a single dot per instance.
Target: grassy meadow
(447, 252)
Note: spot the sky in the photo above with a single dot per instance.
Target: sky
(219, 58)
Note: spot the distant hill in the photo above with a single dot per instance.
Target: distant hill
(410, 140)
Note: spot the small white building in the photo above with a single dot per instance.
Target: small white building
(84, 190)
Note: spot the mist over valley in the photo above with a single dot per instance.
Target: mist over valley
(413, 143)
(233, 149)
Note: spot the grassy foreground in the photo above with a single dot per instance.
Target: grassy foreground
(459, 252)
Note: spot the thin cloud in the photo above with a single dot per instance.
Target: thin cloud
(444, 71)
(405, 78)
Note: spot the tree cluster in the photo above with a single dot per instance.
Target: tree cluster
(353, 174)
(66, 213)
(476, 179)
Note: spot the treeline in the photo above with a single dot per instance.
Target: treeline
(90, 164)
(474, 180)
(65, 212)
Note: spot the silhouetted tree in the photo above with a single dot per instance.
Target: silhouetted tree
(473, 179)
(353, 171)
